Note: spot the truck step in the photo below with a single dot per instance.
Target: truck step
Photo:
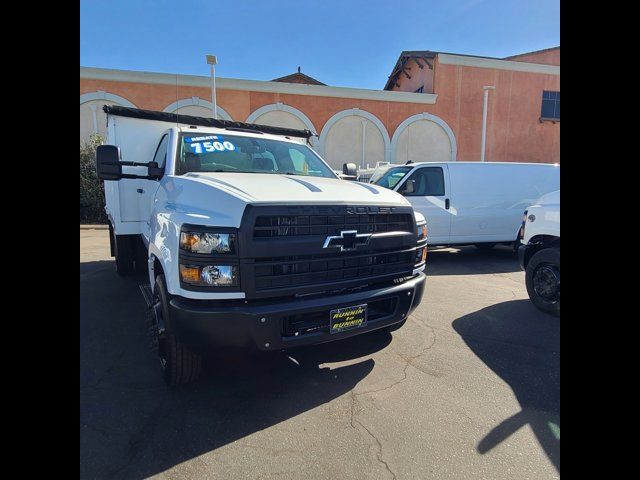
(147, 294)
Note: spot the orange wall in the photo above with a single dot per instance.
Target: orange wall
(514, 132)
(548, 57)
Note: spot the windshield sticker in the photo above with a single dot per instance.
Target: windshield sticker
(199, 145)
(200, 139)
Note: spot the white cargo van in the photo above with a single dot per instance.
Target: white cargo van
(472, 202)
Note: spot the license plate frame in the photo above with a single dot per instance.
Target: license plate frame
(347, 318)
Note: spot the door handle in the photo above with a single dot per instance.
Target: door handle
(447, 204)
(139, 190)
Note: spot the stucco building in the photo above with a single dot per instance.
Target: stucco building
(429, 110)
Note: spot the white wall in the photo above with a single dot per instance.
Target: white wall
(280, 118)
(343, 143)
(423, 141)
(92, 118)
(86, 118)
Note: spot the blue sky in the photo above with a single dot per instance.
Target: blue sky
(351, 43)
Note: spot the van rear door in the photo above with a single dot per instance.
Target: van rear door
(430, 197)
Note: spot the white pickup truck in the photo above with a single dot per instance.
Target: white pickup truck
(539, 254)
(249, 239)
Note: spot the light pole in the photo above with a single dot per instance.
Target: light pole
(213, 60)
(485, 102)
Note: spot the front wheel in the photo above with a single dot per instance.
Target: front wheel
(543, 280)
(179, 364)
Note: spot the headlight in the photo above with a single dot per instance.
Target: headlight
(422, 231)
(524, 222)
(210, 275)
(421, 251)
(208, 242)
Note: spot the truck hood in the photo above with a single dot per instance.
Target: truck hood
(259, 188)
(551, 198)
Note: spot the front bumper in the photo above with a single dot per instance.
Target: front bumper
(264, 324)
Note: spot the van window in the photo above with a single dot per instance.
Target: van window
(161, 151)
(391, 177)
(429, 181)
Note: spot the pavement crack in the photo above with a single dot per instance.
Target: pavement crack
(354, 420)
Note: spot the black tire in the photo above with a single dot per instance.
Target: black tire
(543, 280)
(124, 255)
(516, 245)
(484, 246)
(141, 257)
(179, 364)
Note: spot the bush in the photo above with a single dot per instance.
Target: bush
(91, 189)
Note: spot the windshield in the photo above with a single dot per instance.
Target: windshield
(199, 152)
(392, 176)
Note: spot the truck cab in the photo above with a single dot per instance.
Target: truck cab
(539, 254)
(249, 239)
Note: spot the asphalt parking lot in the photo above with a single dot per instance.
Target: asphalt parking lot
(468, 388)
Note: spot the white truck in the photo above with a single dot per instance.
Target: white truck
(539, 254)
(249, 239)
(478, 203)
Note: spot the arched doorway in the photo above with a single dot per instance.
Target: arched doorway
(423, 138)
(198, 107)
(354, 136)
(92, 118)
(281, 115)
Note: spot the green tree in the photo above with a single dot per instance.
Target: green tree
(91, 189)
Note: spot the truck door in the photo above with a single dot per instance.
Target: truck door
(136, 195)
(430, 197)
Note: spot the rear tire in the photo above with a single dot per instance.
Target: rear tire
(543, 280)
(484, 246)
(141, 257)
(123, 251)
(179, 364)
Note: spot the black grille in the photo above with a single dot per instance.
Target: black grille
(297, 225)
(282, 251)
(317, 269)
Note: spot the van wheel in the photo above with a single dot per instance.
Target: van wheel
(124, 255)
(179, 365)
(543, 280)
(516, 245)
(484, 246)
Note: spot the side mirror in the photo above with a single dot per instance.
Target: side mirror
(350, 169)
(409, 186)
(108, 162)
(154, 171)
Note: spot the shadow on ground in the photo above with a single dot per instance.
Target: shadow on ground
(522, 346)
(133, 426)
(468, 260)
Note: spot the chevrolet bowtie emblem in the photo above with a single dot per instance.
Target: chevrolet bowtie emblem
(347, 240)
